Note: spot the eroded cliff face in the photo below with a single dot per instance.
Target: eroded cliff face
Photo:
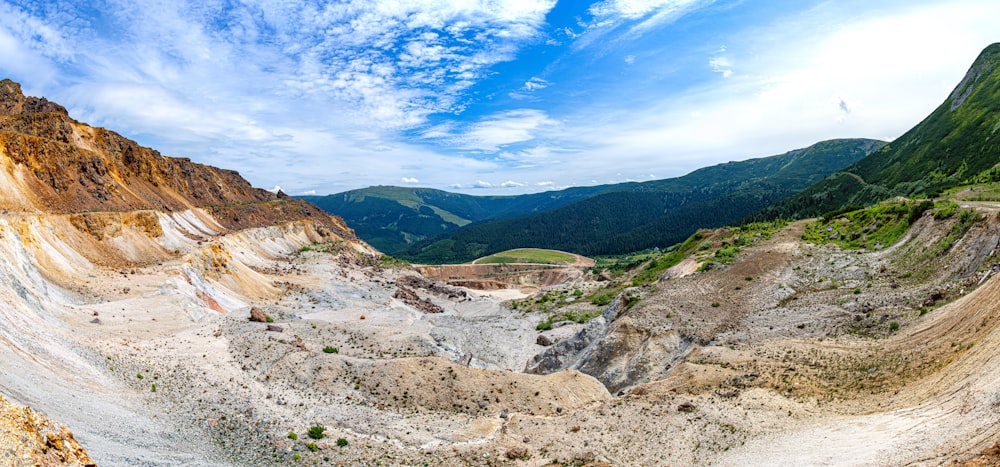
(52, 163)
(85, 212)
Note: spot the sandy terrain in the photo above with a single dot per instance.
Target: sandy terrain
(157, 363)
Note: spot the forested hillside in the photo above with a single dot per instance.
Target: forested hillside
(653, 214)
(392, 218)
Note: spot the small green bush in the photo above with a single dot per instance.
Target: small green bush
(316, 431)
(341, 442)
(544, 325)
(292, 436)
(296, 457)
(715, 304)
(893, 326)
(269, 319)
(312, 446)
(329, 349)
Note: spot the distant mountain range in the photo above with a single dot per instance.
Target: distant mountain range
(958, 143)
(433, 226)
(392, 218)
(636, 216)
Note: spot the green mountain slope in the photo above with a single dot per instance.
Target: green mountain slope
(392, 218)
(959, 142)
(626, 218)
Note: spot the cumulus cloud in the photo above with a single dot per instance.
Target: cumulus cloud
(481, 184)
(409, 180)
(511, 184)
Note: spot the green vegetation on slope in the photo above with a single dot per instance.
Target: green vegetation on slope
(957, 143)
(640, 216)
(392, 218)
(528, 255)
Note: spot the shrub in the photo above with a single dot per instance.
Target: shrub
(329, 349)
(715, 304)
(269, 319)
(893, 326)
(312, 446)
(341, 442)
(296, 457)
(316, 431)
(292, 436)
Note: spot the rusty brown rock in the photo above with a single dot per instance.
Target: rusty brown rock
(29, 438)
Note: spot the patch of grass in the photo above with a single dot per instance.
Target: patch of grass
(528, 255)
(317, 431)
(329, 349)
(966, 218)
(292, 436)
(312, 446)
(870, 228)
(341, 442)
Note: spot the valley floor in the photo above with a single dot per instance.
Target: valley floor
(796, 354)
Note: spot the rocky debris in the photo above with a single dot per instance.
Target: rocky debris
(258, 315)
(29, 438)
(417, 282)
(544, 340)
(411, 298)
(686, 407)
(571, 351)
(989, 457)
(934, 297)
(275, 328)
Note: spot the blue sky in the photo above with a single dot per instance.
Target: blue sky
(490, 96)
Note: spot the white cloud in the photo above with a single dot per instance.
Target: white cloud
(309, 193)
(482, 184)
(514, 126)
(535, 84)
(634, 9)
(409, 180)
(721, 65)
(546, 183)
(630, 59)
(511, 184)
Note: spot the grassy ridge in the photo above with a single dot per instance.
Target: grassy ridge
(528, 255)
